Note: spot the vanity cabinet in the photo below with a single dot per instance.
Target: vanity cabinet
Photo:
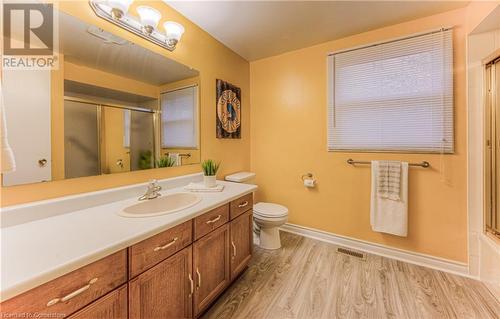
(211, 267)
(113, 305)
(241, 242)
(241, 205)
(164, 291)
(151, 251)
(177, 273)
(73, 291)
(209, 221)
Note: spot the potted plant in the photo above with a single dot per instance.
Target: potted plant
(210, 169)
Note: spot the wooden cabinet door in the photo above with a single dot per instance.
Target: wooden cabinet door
(111, 306)
(241, 242)
(210, 267)
(164, 291)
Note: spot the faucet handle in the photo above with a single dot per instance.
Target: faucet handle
(153, 185)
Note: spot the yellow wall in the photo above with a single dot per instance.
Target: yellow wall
(289, 138)
(83, 74)
(198, 50)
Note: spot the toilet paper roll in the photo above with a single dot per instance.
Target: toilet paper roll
(308, 182)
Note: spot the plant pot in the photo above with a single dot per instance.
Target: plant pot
(209, 181)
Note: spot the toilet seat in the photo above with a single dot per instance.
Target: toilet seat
(270, 210)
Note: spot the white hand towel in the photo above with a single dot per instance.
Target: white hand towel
(176, 157)
(200, 187)
(388, 215)
(8, 163)
(389, 179)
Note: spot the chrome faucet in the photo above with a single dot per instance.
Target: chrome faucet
(152, 192)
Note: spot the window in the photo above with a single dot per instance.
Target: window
(179, 118)
(393, 96)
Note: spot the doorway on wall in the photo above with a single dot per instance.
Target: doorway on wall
(492, 156)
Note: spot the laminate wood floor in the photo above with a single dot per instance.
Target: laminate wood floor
(309, 279)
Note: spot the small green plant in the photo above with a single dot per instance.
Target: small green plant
(209, 167)
(166, 161)
(145, 159)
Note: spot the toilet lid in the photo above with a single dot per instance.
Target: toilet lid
(270, 210)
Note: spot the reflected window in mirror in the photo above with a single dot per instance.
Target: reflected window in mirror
(179, 118)
(179, 123)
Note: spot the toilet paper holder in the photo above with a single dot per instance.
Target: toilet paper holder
(308, 180)
(307, 176)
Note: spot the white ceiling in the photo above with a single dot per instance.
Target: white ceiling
(258, 29)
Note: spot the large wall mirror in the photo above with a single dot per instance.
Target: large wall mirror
(111, 107)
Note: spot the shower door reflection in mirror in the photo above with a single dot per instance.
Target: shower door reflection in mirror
(492, 154)
(104, 139)
(113, 106)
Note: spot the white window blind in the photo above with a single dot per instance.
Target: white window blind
(394, 96)
(179, 118)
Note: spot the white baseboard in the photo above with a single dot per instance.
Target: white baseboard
(381, 250)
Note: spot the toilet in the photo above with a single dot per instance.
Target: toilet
(267, 217)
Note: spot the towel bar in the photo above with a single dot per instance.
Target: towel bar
(181, 154)
(423, 164)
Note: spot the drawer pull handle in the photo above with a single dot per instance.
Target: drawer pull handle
(166, 245)
(71, 295)
(245, 203)
(234, 248)
(191, 283)
(216, 219)
(199, 278)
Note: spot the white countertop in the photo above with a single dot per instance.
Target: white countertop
(38, 251)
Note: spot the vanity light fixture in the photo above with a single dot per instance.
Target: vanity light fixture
(174, 31)
(149, 18)
(119, 7)
(116, 12)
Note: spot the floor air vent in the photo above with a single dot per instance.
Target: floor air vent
(352, 253)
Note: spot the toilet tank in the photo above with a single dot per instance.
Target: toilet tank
(240, 177)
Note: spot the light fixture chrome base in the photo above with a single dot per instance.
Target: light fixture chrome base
(147, 29)
(116, 14)
(172, 42)
(130, 24)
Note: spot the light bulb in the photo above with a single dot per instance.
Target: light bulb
(119, 7)
(173, 31)
(149, 18)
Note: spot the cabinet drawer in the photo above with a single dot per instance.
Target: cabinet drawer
(111, 306)
(73, 291)
(241, 205)
(209, 221)
(151, 251)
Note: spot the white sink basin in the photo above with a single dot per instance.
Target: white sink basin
(161, 205)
